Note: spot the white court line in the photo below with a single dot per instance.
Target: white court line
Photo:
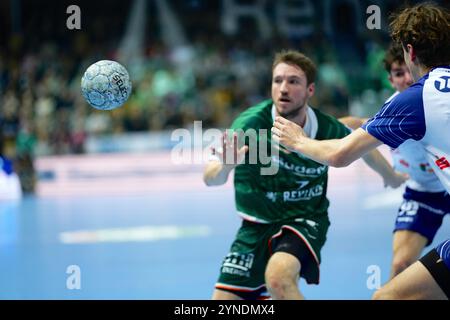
(134, 234)
(385, 199)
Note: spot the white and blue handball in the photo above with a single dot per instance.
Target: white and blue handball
(106, 85)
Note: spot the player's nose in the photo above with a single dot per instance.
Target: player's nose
(284, 87)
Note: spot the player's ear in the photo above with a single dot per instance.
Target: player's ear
(411, 52)
(311, 89)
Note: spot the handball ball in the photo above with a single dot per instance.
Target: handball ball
(106, 85)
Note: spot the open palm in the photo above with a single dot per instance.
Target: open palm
(230, 153)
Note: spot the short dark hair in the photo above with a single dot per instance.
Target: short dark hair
(299, 59)
(393, 54)
(426, 27)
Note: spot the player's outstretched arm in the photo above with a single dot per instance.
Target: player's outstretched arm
(335, 153)
(353, 122)
(226, 159)
(375, 160)
(391, 178)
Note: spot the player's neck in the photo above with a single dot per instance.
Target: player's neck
(300, 118)
(420, 71)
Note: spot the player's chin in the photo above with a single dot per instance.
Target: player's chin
(284, 107)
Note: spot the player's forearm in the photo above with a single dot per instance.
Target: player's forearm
(338, 152)
(327, 152)
(352, 122)
(216, 173)
(379, 164)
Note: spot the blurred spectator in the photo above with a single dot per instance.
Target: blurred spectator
(211, 79)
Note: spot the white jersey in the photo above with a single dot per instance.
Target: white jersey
(421, 113)
(410, 158)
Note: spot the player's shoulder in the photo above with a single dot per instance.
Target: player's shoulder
(324, 117)
(396, 93)
(438, 72)
(412, 96)
(328, 126)
(437, 81)
(255, 116)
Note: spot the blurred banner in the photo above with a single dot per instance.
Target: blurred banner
(114, 175)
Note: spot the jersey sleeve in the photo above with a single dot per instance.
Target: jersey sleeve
(400, 119)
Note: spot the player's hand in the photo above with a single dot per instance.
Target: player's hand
(230, 155)
(396, 180)
(287, 133)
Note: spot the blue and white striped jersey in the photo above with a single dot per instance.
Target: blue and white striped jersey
(421, 113)
(410, 158)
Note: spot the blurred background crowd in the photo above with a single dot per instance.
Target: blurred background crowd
(188, 60)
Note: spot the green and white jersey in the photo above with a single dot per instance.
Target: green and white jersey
(298, 189)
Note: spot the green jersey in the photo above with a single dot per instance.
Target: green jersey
(298, 190)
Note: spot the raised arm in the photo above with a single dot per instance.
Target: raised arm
(228, 157)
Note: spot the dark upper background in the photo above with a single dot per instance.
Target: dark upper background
(213, 77)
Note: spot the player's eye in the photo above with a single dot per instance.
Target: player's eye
(399, 74)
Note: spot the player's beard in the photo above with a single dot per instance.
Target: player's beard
(291, 114)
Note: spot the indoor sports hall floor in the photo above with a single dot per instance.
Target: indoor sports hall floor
(161, 234)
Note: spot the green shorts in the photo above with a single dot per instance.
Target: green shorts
(242, 271)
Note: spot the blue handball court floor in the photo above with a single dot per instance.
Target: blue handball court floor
(139, 227)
